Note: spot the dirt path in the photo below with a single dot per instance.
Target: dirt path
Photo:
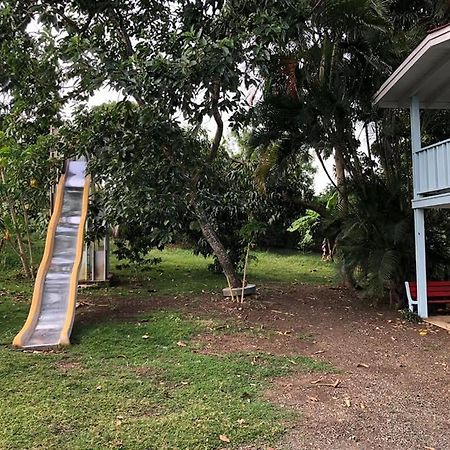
(393, 389)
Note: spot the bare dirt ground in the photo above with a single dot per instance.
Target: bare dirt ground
(392, 389)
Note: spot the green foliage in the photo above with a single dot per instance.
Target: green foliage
(318, 65)
(25, 179)
(315, 97)
(252, 230)
(29, 75)
(201, 53)
(144, 163)
(410, 316)
(28, 172)
(314, 227)
(29, 106)
(241, 213)
(316, 103)
(197, 59)
(376, 239)
(306, 226)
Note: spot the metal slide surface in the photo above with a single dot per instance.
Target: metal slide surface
(52, 310)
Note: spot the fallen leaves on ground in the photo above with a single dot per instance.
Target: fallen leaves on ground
(81, 304)
(317, 381)
(334, 384)
(119, 421)
(224, 438)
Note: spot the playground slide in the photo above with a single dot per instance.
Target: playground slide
(52, 310)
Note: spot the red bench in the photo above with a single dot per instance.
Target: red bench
(438, 292)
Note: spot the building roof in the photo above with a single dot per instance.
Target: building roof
(425, 73)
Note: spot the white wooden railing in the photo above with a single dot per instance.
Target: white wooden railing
(432, 168)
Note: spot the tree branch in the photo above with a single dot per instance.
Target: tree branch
(317, 207)
(129, 50)
(215, 96)
(319, 157)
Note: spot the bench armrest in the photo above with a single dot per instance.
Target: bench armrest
(411, 301)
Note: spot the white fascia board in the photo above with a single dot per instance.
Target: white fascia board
(432, 201)
(433, 39)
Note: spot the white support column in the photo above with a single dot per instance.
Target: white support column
(419, 214)
(421, 262)
(416, 141)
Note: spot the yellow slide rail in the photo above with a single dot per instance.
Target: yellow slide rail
(33, 314)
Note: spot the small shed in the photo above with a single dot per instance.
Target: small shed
(422, 81)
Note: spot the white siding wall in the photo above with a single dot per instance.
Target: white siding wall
(433, 168)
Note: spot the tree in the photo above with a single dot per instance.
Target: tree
(355, 46)
(29, 75)
(147, 194)
(25, 178)
(192, 57)
(29, 107)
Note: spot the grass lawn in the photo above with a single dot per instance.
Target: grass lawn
(182, 272)
(119, 388)
(142, 384)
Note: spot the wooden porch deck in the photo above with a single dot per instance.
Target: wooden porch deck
(442, 321)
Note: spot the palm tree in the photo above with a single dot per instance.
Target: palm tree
(349, 47)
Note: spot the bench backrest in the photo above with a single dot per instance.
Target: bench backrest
(435, 289)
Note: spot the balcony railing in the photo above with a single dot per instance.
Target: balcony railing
(433, 168)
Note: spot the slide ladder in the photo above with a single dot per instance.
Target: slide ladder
(52, 310)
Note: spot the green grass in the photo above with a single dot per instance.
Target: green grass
(115, 389)
(289, 266)
(182, 272)
(124, 391)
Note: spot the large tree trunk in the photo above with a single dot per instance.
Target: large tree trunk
(208, 231)
(340, 177)
(219, 250)
(339, 162)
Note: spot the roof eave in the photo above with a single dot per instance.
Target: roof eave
(437, 37)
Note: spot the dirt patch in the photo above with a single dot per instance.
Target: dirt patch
(103, 309)
(147, 372)
(393, 390)
(66, 366)
(280, 345)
